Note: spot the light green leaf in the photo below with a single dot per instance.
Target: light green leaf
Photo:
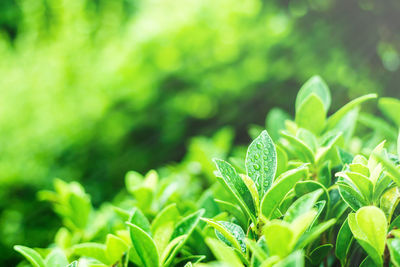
(314, 233)
(228, 234)
(73, 264)
(304, 151)
(394, 249)
(233, 210)
(184, 227)
(56, 258)
(275, 122)
(302, 205)
(390, 107)
(352, 198)
(92, 250)
(115, 248)
(163, 226)
(279, 238)
(296, 259)
(369, 227)
(144, 246)
(338, 115)
(31, 255)
(282, 160)
(363, 184)
(238, 188)
(280, 188)
(311, 114)
(261, 162)
(224, 253)
(315, 85)
(137, 218)
(388, 202)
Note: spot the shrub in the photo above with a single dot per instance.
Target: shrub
(311, 195)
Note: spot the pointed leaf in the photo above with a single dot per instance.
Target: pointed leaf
(31, 255)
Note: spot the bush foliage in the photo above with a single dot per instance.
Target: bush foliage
(314, 189)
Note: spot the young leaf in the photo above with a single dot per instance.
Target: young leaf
(302, 205)
(338, 115)
(93, 250)
(144, 246)
(279, 238)
(163, 226)
(311, 114)
(394, 249)
(137, 218)
(352, 198)
(261, 162)
(115, 248)
(390, 107)
(31, 255)
(369, 227)
(280, 188)
(296, 259)
(315, 85)
(228, 233)
(56, 258)
(224, 253)
(237, 186)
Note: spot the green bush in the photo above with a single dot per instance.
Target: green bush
(315, 193)
(92, 89)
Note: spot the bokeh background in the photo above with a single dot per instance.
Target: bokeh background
(90, 89)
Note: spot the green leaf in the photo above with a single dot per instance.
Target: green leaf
(261, 162)
(352, 198)
(279, 238)
(144, 246)
(275, 122)
(324, 174)
(369, 227)
(73, 264)
(137, 218)
(388, 202)
(315, 85)
(363, 184)
(296, 259)
(92, 250)
(224, 253)
(280, 188)
(31, 255)
(171, 249)
(115, 248)
(338, 115)
(394, 249)
(229, 234)
(256, 249)
(343, 242)
(320, 253)
(302, 205)
(282, 160)
(184, 227)
(390, 107)
(305, 151)
(233, 210)
(314, 233)
(238, 188)
(163, 226)
(56, 258)
(311, 114)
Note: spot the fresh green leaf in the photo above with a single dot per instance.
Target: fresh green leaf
(261, 162)
(31, 255)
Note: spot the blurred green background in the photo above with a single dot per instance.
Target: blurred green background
(90, 89)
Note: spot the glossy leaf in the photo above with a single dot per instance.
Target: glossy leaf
(280, 188)
(315, 85)
(31, 255)
(261, 162)
(144, 246)
(311, 114)
(343, 242)
(238, 188)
